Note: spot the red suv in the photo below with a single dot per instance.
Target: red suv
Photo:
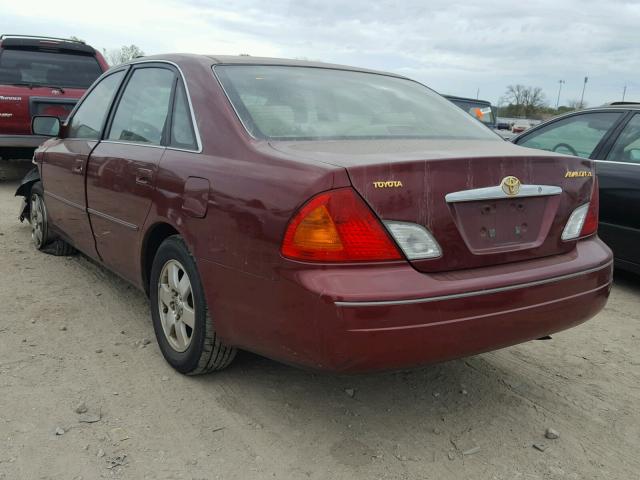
(40, 76)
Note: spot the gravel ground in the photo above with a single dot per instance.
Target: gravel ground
(73, 333)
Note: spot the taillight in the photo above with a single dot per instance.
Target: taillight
(584, 219)
(337, 226)
(591, 222)
(416, 242)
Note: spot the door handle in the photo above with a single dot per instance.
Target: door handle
(78, 165)
(144, 176)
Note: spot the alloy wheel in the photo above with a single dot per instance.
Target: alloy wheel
(176, 305)
(37, 220)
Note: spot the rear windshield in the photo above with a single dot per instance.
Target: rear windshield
(283, 102)
(50, 69)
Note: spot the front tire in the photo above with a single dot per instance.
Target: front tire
(181, 321)
(38, 217)
(41, 236)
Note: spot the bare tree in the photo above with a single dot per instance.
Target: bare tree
(576, 105)
(523, 100)
(123, 54)
(514, 94)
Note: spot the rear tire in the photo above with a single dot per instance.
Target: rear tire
(181, 321)
(39, 219)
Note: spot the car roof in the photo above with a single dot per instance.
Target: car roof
(613, 106)
(467, 99)
(250, 60)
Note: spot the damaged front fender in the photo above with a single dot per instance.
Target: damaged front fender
(24, 190)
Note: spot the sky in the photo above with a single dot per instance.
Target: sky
(458, 48)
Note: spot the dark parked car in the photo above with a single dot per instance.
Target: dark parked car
(320, 215)
(610, 135)
(481, 110)
(40, 76)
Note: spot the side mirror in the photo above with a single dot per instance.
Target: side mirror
(46, 126)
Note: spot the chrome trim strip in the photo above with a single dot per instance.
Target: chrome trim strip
(92, 211)
(496, 193)
(128, 225)
(186, 89)
(135, 144)
(484, 315)
(64, 200)
(618, 163)
(176, 149)
(385, 303)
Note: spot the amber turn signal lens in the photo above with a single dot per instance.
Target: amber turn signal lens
(337, 226)
(317, 231)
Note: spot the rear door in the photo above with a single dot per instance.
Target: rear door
(122, 169)
(619, 177)
(64, 163)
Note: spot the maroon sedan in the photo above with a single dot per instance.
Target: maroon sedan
(321, 215)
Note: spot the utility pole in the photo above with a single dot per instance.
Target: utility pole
(584, 85)
(559, 90)
(624, 92)
(478, 94)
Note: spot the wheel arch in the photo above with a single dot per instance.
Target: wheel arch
(154, 236)
(24, 190)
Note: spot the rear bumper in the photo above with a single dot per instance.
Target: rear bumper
(21, 141)
(459, 326)
(356, 319)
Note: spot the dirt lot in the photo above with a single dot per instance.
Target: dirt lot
(72, 332)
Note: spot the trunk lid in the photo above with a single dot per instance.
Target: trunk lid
(453, 188)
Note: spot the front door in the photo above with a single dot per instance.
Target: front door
(122, 168)
(619, 177)
(64, 165)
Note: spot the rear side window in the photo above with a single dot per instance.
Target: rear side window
(88, 120)
(50, 69)
(182, 134)
(577, 135)
(480, 111)
(142, 113)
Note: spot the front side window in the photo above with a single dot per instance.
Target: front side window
(577, 135)
(627, 146)
(284, 102)
(88, 120)
(142, 113)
